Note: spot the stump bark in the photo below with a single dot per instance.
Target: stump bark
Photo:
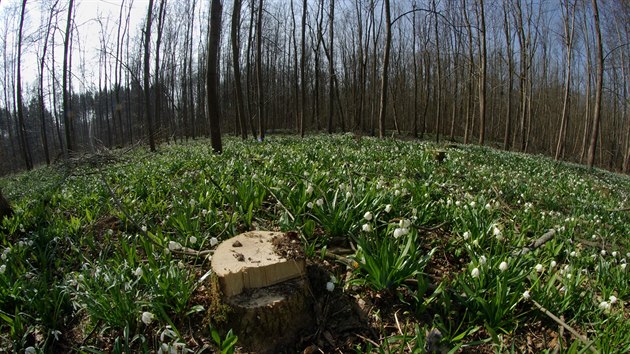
(262, 278)
(5, 207)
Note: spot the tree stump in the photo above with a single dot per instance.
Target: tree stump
(5, 208)
(262, 278)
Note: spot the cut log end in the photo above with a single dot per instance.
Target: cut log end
(261, 276)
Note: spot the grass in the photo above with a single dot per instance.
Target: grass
(90, 261)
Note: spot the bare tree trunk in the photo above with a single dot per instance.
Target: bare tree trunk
(507, 136)
(385, 74)
(67, 119)
(158, 72)
(598, 88)
(566, 100)
(331, 67)
(42, 62)
(212, 75)
(438, 92)
(303, 68)
(147, 82)
(259, 78)
(26, 153)
(234, 33)
(482, 75)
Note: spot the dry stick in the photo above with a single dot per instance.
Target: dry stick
(579, 336)
(620, 209)
(537, 243)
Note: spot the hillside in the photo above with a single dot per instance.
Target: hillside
(418, 236)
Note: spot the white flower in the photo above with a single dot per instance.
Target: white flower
(147, 317)
(603, 252)
(553, 264)
(173, 246)
(613, 299)
(388, 208)
(503, 266)
(3, 268)
(614, 254)
(214, 241)
(476, 243)
(319, 202)
(623, 266)
(401, 231)
(482, 260)
(367, 227)
(404, 223)
(526, 294)
(539, 268)
(138, 272)
(192, 240)
(466, 235)
(348, 195)
(309, 205)
(330, 286)
(30, 350)
(144, 228)
(604, 305)
(488, 206)
(475, 273)
(309, 190)
(497, 233)
(368, 216)
(573, 254)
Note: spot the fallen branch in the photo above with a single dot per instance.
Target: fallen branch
(537, 243)
(620, 209)
(579, 336)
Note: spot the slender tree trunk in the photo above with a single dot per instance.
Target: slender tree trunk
(259, 78)
(438, 93)
(147, 82)
(67, 115)
(482, 75)
(234, 33)
(385, 74)
(331, 67)
(303, 68)
(507, 136)
(26, 153)
(598, 88)
(42, 63)
(158, 72)
(566, 100)
(212, 75)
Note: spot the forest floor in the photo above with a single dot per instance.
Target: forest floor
(410, 246)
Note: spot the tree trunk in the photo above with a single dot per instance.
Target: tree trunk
(212, 75)
(331, 67)
(259, 78)
(42, 62)
(26, 153)
(385, 74)
(234, 34)
(566, 100)
(482, 75)
(67, 115)
(303, 68)
(598, 88)
(147, 82)
(507, 136)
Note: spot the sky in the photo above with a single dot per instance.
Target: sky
(89, 29)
